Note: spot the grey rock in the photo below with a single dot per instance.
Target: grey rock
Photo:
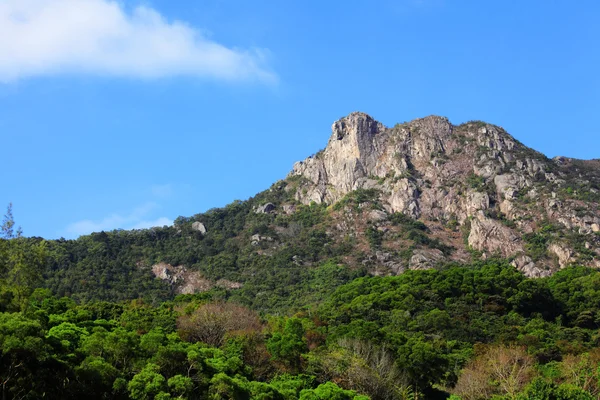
(265, 208)
(526, 265)
(425, 259)
(377, 215)
(490, 235)
(199, 226)
(289, 209)
(563, 252)
(473, 174)
(256, 239)
(183, 280)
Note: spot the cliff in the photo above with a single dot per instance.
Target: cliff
(507, 199)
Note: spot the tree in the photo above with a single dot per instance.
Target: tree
(330, 391)
(147, 384)
(287, 346)
(502, 370)
(22, 350)
(8, 225)
(225, 387)
(210, 322)
(21, 264)
(181, 386)
(68, 335)
(540, 389)
(423, 360)
(582, 371)
(364, 367)
(96, 373)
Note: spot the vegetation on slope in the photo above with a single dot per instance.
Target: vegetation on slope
(86, 317)
(474, 331)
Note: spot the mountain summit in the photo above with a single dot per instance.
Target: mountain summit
(506, 199)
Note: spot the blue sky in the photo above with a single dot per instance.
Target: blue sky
(129, 114)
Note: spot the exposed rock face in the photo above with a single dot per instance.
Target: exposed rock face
(563, 253)
(425, 259)
(166, 272)
(490, 235)
(475, 174)
(199, 226)
(265, 208)
(256, 239)
(362, 152)
(188, 282)
(377, 216)
(526, 265)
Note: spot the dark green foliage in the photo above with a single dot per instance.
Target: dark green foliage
(417, 232)
(116, 265)
(69, 354)
(308, 216)
(431, 319)
(406, 222)
(278, 285)
(288, 344)
(21, 265)
(474, 123)
(419, 328)
(537, 242)
(541, 389)
(475, 182)
(583, 180)
(374, 236)
(357, 197)
(329, 391)
(577, 242)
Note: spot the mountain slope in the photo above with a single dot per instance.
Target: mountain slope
(376, 201)
(508, 199)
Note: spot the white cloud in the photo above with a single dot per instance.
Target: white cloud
(136, 219)
(48, 37)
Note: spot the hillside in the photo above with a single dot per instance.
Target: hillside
(376, 201)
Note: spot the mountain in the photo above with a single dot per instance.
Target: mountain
(379, 268)
(505, 198)
(377, 201)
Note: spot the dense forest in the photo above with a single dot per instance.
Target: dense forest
(475, 331)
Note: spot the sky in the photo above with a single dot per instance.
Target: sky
(128, 114)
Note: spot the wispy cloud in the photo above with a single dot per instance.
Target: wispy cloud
(138, 218)
(49, 37)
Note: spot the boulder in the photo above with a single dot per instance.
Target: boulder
(199, 226)
(265, 208)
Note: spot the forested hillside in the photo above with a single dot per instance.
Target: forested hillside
(472, 332)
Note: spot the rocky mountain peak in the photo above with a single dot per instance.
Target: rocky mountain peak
(474, 175)
(357, 126)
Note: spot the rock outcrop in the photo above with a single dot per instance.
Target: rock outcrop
(199, 226)
(186, 281)
(498, 191)
(265, 208)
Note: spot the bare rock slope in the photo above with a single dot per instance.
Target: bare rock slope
(507, 199)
